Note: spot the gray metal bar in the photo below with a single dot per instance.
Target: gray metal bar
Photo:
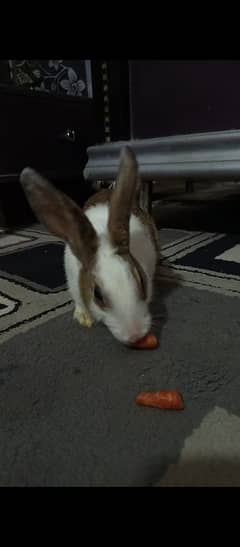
(197, 156)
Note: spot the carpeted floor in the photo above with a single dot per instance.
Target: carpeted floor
(68, 416)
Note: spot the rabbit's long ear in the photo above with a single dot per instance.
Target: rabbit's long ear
(122, 200)
(61, 215)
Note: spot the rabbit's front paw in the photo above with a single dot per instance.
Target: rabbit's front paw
(83, 318)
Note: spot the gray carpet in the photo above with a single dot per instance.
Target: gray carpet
(68, 416)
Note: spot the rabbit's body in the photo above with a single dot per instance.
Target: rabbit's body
(111, 250)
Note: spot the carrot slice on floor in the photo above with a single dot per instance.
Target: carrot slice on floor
(150, 341)
(166, 399)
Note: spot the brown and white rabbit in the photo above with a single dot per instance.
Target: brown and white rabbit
(111, 249)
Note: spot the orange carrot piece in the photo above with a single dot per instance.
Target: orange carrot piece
(166, 399)
(149, 341)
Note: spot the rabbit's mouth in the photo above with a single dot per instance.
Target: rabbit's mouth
(126, 334)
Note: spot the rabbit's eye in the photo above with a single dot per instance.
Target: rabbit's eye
(98, 296)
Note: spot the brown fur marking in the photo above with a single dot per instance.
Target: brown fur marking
(61, 215)
(86, 285)
(104, 196)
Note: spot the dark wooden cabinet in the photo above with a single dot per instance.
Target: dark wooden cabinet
(46, 132)
(51, 132)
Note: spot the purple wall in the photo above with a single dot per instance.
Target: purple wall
(177, 97)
